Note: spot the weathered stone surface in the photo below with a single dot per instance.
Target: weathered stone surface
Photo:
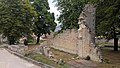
(66, 41)
(44, 50)
(18, 48)
(0, 39)
(86, 31)
(3, 40)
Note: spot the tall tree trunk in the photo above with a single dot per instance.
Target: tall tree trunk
(115, 44)
(115, 41)
(38, 38)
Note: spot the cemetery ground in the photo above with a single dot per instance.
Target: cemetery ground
(111, 58)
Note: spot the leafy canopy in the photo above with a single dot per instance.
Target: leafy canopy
(45, 22)
(108, 18)
(16, 18)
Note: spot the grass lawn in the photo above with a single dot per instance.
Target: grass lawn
(46, 60)
(57, 55)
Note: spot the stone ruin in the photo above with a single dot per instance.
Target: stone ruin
(0, 39)
(86, 34)
(3, 40)
(81, 41)
(84, 43)
(20, 48)
(44, 50)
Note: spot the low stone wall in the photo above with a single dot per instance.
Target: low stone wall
(66, 41)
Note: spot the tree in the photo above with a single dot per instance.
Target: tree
(108, 20)
(70, 11)
(16, 19)
(45, 23)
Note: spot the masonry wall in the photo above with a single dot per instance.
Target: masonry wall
(66, 41)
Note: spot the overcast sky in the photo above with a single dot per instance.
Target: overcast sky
(56, 12)
(53, 8)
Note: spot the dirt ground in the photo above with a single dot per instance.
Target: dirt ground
(32, 46)
(111, 58)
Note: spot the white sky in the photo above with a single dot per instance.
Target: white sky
(53, 8)
(56, 12)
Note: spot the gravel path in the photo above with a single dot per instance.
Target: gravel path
(8, 60)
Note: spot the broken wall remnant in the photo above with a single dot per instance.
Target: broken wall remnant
(81, 41)
(66, 41)
(86, 34)
(0, 39)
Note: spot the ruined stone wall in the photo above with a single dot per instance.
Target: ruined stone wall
(86, 34)
(66, 41)
(0, 39)
(81, 41)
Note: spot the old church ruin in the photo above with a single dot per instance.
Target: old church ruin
(81, 41)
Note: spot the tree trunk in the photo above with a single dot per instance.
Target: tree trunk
(115, 41)
(115, 44)
(38, 38)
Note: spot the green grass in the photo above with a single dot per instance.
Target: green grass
(46, 60)
(58, 54)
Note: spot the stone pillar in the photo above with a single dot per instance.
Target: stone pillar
(86, 31)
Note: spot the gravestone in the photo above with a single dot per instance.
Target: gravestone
(86, 37)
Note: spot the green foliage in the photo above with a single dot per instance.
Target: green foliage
(16, 18)
(70, 11)
(45, 23)
(30, 39)
(108, 18)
